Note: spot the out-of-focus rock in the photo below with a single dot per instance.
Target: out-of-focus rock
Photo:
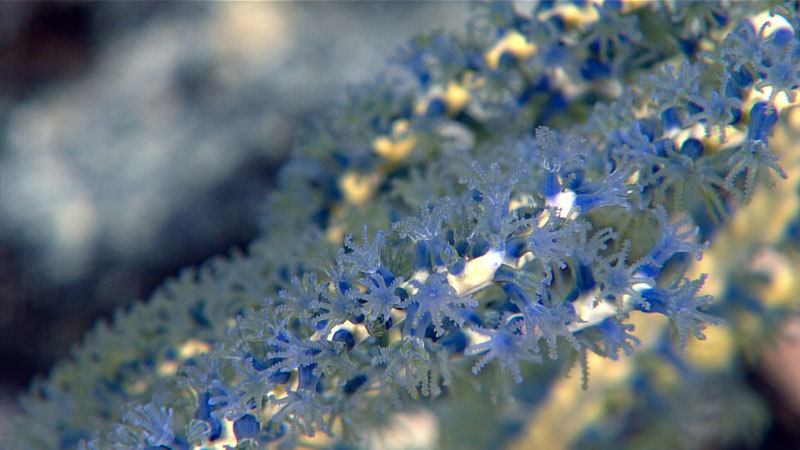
(155, 149)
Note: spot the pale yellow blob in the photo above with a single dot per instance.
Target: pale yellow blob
(251, 29)
(783, 286)
(456, 98)
(514, 43)
(713, 353)
(359, 188)
(574, 16)
(191, 348)
(398, 145)
(569, 408)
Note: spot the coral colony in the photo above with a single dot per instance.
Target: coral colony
(450, 241)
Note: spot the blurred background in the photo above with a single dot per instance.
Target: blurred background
(137, 138)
